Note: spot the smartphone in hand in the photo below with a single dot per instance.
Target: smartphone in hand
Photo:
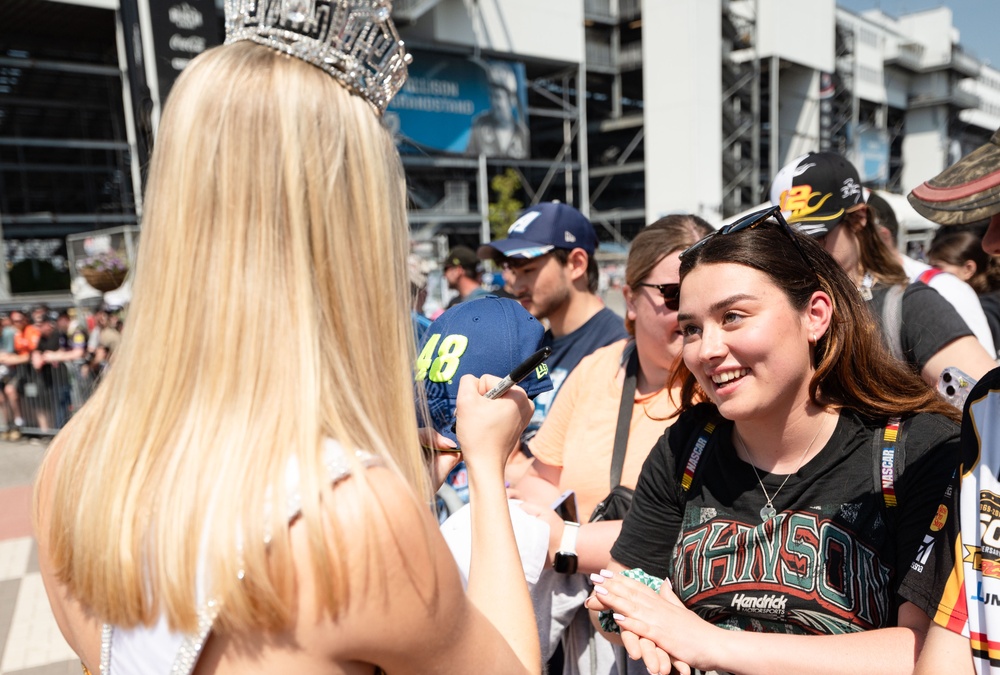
(565, 506)
(954, 386)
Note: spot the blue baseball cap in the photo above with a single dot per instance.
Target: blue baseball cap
(542, 228)
(488, 335)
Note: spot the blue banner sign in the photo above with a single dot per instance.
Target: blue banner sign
(873, 149)
(461, 105)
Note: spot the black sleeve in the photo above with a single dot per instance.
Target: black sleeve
(933, 456)
(650, 529)
(930, 323)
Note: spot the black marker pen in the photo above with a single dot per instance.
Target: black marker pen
(519, 373)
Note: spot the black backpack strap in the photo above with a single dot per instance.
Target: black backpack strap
(889, 458)
(624, 415)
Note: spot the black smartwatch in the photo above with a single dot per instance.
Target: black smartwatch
(565, 561)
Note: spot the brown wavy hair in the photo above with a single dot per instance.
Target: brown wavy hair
(854, 368)
(876, 257)
(955, 248)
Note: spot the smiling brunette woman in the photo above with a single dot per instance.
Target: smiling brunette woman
(794, 490)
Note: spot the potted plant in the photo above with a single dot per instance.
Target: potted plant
(104, 271)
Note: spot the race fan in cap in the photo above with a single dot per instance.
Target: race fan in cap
(549, 257)
(461, 271)
(486, 335)
(820, 193)
(956, 575)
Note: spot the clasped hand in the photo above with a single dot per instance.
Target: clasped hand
(655, 627)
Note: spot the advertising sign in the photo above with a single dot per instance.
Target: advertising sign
(461, 105)
(873, 156)
(182, 29)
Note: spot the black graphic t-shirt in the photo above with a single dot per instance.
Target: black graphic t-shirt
(825, 564)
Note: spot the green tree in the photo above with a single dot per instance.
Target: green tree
(506, 208)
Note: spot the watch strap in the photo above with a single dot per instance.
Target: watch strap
(568, 542)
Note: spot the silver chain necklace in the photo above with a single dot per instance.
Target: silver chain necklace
(767, 511)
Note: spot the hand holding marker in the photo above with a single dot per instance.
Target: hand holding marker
(487, 335)
(523, 369)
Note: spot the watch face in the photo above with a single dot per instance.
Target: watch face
(565, 563)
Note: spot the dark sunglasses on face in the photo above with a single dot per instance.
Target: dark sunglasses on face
(748, 223)
(671, 294)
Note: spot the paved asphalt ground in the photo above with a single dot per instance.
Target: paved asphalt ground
(30, 643)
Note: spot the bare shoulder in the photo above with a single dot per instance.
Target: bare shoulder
(81, 629)
(406, 609)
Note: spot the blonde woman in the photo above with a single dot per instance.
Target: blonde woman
(246, 492)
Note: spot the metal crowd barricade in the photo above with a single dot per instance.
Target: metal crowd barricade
(50, 395)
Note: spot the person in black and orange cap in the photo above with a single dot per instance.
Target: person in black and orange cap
(820, 193)
(956, 575)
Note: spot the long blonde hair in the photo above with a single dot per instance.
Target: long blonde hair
(269, 312)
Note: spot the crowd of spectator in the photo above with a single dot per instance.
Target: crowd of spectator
(925, 314)
(49, 362)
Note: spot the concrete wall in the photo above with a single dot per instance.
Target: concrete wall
(934, 30)
(925, 146)
(798, 113)
(987, 88)
(683, 117)
(544, 29)
(797, 31)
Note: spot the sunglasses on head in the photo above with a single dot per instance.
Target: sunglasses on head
(748, 223)
(671, 294)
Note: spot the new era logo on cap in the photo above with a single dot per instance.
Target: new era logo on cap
(542, 228)
(489, 335)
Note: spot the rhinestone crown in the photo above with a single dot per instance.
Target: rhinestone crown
(353, 40)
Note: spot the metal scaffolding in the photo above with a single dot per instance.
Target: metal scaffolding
(741, 169)
(617, 133)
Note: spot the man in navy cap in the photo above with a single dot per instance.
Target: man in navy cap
(549, 259)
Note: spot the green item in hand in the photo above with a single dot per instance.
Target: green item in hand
(608, 623)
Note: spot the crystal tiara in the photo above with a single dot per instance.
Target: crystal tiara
(353, 40)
